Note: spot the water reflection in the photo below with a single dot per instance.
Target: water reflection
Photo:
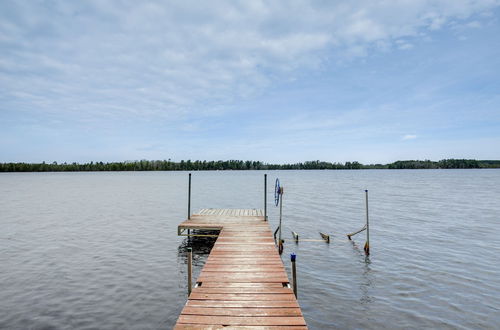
(366, 278)
(201, 245)
(366, 283)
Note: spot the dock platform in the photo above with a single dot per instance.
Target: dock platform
(243, 283)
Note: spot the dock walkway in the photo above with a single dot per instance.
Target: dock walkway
(244, 282)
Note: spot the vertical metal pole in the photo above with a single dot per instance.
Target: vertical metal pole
(281, 212)
(189, 197)
(367, 244)
(294, 273)
(265, 197)
(190, 267)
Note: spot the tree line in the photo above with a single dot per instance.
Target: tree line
(199, 165)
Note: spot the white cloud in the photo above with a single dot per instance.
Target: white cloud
(173, 59)
(473, 24)
(409, 137)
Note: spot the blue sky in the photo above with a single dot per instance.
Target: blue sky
(278, 81)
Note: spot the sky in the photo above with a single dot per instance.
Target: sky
(276, 81)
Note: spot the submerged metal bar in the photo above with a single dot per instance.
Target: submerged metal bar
(356, 232)
(326, 237)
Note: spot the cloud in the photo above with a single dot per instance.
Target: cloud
(409, 137)
(127, 61)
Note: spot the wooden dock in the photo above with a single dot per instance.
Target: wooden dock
(243, 283)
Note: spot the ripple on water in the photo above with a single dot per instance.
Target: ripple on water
(100, 250)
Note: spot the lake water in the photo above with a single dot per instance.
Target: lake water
(101, 251)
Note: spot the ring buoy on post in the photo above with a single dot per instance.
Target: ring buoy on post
(278, 195)
(277, 192)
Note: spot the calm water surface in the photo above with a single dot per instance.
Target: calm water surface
(100, 250)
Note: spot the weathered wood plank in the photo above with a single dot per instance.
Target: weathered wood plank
(243, 304)
(240, 285)
(239, 268)
(217, 271)
(241, 259)
(242, 296)
(243, 254)
(218, 311)
(243, 274)
(242, 320)
(253, 327)
(256, 239)
(234, 262)
(239, 279)
(279, 290)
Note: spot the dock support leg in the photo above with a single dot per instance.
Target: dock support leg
(294, 274)
(367, 244)
(190, 272)
(189, 197)
(281, 214)
(265, 197)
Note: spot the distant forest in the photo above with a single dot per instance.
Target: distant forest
(198, 165)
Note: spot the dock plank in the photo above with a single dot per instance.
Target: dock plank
(240, 285)
(243, 303)
(214, 311)
(241, 320)
(243, 268)
(242, 296)
(261, 290)
(220, 327)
